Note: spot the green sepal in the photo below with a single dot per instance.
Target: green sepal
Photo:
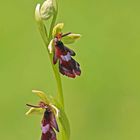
(33, 110)
(42, 96)
(57, 29)
(71, 38)
(51, 47)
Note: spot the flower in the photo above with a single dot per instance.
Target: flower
(67, 65)
(48, 123)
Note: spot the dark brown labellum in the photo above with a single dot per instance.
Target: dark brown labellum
(67, 65)
(48, 125)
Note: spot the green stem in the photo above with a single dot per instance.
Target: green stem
(58, 81)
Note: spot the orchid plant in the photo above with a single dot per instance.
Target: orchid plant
(61, 57)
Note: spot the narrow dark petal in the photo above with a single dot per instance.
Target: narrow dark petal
(66, 34)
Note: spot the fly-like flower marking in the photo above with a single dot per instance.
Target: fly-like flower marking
(67, 65)
(48, 123)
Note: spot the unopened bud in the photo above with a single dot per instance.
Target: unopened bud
(47, 9)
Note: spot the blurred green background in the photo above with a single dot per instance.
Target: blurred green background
(104, 102)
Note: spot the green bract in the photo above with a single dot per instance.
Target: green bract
(57, 29)
(71, 38)
(65, 123)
